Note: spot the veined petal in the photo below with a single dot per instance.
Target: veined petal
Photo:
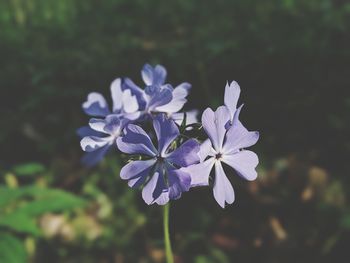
(223, 191)
(179, 95)
(96, 105)
(186, 154)
(92, 143)
(136, 172)
(231, 97)
(155, 190)
(214, 125)
(92, 158)
(244, 162)
(117, 94)
(238, 136)
(179, 181)
(200, 172)
(136, 141)
(166, 131)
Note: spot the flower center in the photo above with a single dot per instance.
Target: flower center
(160, 158)
(218, 156)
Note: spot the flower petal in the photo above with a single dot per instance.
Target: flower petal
(114, 124)
(92, 158)
(166, 131)
(155, 191)
(147, 74)
(179, 181)
(159, 75)
(87, 131)
(92, 143)
(135, 90)
(244, 162)
(238, 136)
(186, 154)
(136, 141)
(129, 102)
(117, 93)
(136, 172)
(204, 150)
(153, 76)
(179, 95)
(158, 96)
(214, 125)
(223, 191)
(96, 105)
(132, 116)
(231, 97)
(200, 172)
(97, 124)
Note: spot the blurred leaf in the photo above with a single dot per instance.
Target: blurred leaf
(55, 201)
(28, 169)
(8, 195)
(345, 221)
(11, 249)
(202, 259)
(219, 256)
(19, 222)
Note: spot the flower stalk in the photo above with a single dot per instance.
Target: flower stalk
(168, 251)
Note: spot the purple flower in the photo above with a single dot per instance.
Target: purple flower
(224, 146)
(99, 137)
(160, 173)
(125, 104)
(158, 96)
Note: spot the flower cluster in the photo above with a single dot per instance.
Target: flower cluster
(168, 162)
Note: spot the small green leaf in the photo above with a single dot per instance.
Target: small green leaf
(12, 249)
(19, 222)
(54, 201)
(28, 169)
(8, 195)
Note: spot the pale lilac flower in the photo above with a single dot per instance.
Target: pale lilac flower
(224, 146)
(160, 173)
(158, 96)
(100, 136)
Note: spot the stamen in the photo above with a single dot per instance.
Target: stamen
(160, 158)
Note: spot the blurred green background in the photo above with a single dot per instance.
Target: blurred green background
(292, 60)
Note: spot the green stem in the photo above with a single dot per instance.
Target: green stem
(168, 251)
